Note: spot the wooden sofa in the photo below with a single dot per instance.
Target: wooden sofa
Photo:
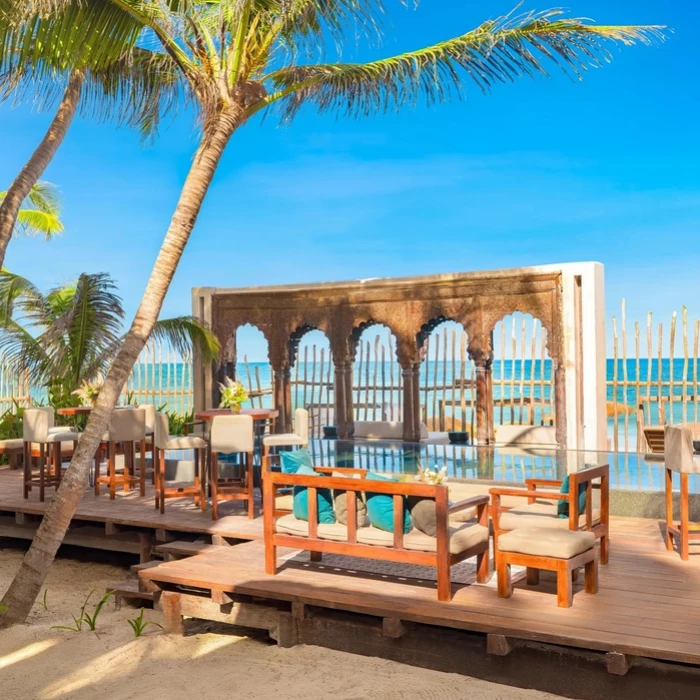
(455, 541)
(541, 507)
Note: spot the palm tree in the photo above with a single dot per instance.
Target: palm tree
(237, 58)
(71, 334)
(40, 214)
(107, 77)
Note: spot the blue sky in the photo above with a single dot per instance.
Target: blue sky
(536, 172)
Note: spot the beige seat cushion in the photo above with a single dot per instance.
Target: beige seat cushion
(185, 442)
(284, 439)
(12, 444)
(546, 542)
(63, 436)
(461, 538)
(289, 525)
(285, 502)
(460, 492)
(540, 514)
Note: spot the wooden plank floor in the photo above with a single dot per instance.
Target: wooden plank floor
(648, 604)
(129, 509)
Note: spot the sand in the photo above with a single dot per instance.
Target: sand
(37, 662)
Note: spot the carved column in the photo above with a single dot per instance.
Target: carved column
(282, 392)
(343, 402)
(411, 402)
(560, 402)
(484, 400)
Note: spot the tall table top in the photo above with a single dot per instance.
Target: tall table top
(74, 410)
(255, 413)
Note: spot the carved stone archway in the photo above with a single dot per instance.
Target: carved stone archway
(408, 306)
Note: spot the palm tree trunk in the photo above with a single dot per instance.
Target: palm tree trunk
(27, 583)
(35, 166)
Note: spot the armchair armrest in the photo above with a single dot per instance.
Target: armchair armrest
(544, 482)
(472, 502)
(526, 493)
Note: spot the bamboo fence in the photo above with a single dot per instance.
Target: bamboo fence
(653, 378)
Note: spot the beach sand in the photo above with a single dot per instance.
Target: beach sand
(38, 663)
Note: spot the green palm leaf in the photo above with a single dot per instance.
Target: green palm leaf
(498, 51)
(41, 217)
(185, 333)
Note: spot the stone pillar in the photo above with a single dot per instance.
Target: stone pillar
(283, 397)
(349, 400)
(560, 403)
(411, 403)
(342, 400)
(484, 401)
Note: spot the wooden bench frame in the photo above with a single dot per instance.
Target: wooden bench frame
(441, 559)
(682, 529)
(563, 567)
(601, 530)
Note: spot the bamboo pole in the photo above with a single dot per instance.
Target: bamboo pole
(522, 370)
(313, 376)
(637, 352)
(659, 366)
(306, 365)
(513, 351)
(383, 397)
(502, 393)
(435, 378)
(685, 365)
(696, 337)
(671, 378)
(367, 370)
(374, 377)
(454, 376)
(543, 397)
(462, 384)
(624, 374)
(615, 374)
(533, 353)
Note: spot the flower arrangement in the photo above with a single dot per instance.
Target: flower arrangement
(88, 392)
(434, 477)
(233, 394)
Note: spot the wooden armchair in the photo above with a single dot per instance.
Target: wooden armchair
(450, 546)
(541, 508)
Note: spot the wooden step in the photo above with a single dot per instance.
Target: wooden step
(146, 565)
(181, 549)
(129, 591)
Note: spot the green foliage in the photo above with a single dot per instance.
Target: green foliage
(40, 215)
(84, 617)
(139, 625)
(177, 421)
(233, 394)
(11, 426)
(43, 602)
(71, 334)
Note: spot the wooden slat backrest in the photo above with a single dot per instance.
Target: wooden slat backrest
(655, 439)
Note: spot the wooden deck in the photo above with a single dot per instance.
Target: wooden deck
(648, 604)
(115, 524)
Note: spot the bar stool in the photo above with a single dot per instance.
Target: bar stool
(126, 427)
(231, 434)
(38, 429)
(679, 457)
(299, 438)
(162, 441)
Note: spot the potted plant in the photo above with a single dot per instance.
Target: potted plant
(88, 392)
(233, 394)
(434, 477)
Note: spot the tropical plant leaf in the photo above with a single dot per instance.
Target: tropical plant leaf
(499, 51)
(185, 333)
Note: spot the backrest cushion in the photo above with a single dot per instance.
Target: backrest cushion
(563, 506)
(380, 507)
(423, 514)
(127, 425)
(291, 460)
(301, 423)
(324, 500)
(36, 423)
(232, 434)
(340, 502)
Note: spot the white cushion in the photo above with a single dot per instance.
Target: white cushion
(284, 439)
(383, 430)
(62, 436)
(540, 514)
(531, 435)
(546, 542)
(284, 502)
(185, 442)
(12, 444)
(462, 538)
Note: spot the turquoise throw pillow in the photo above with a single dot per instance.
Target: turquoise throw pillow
(324, 499)
(291, 460)
(563, 506)
(380, 507)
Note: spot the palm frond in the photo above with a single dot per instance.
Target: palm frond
(499, 51)
(32, 222)
(45, 197)
(13, 288)
(185, 333)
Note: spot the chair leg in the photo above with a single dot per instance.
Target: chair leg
(669, 509)
(155, 459)
(591, 576)
(42, 472)
(482, 567)
(532, 577)
(270, 558)
(685, 519)
(250, 485)
(112, 467)
(161, 479)
(444, 587)
(203, 480)
(214, 482)
(98, 461)
(27, 468)
(142, 468)
(605, 549)
(505, 583)
(565, 589)
(128, 465)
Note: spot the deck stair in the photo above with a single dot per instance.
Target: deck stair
(182, 549)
